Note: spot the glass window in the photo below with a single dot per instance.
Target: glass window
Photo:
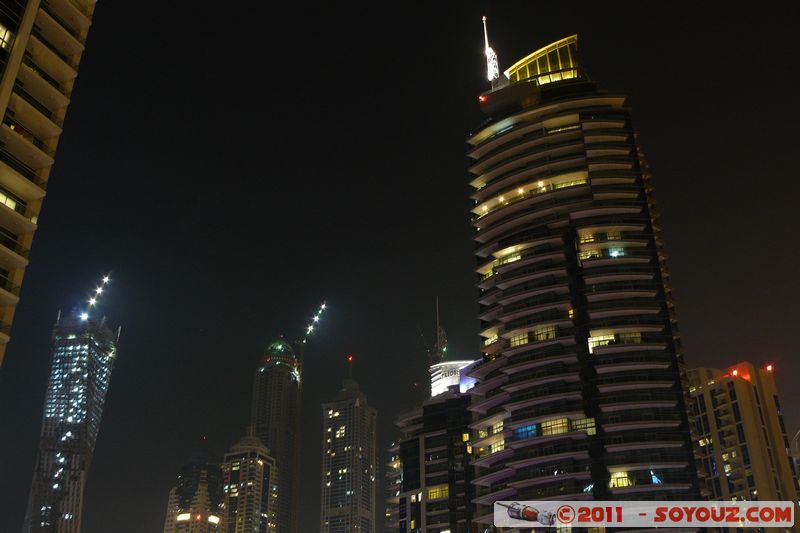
(438, 492)
(620, 479)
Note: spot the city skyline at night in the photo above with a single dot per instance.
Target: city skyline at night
(229, 189)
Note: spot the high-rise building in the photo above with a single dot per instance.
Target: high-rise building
(195, 502)
(84, 349)
(40, 47)
(795, 448)
(430, 472)
(349, 469)
(742, 442)
(581, 391)
(251, 487)
(275, 418)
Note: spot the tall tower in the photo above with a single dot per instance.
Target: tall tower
(84, 349)
(740, 435)
(41, 44)
(581, 391)
(195, 502)
(348, 463)
(251, 488)
(275, 418)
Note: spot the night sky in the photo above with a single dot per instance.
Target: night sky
(233, 168)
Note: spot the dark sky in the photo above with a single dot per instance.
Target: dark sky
(234, 167)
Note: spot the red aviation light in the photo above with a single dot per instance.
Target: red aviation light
(769, 368)
(735, 372)
(482, 98)
(349, 358)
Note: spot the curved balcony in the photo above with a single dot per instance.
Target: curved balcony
(542, 395)
(482, 406)
(523, 362)
(548, 150)
(621, 384)
(507, 298)
(564, 376)
(549, 209)
(612, 276)
(498, 495)
(531, 138)
(640, 442)
(575, 435)
(491, 478)
(551, 299)
(568, 163)
(483, 387)
(577, 454)
(551, 474)
(636, 420)
(511, 202)
(626, 362)
(665, 487)
(615, 308)
(621, 347)
(530, 274)
(604, 211)
(483, 369)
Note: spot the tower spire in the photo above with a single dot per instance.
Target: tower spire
(492, 69)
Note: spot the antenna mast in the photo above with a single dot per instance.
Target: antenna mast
(492, 68)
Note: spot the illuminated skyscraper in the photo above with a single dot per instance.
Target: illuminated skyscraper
(740, 436)
(41, 44)
(195, 502)
(275, 418)
(430, 471)
(251, 488)
(84, 349)
(580, 391)
(349, 463)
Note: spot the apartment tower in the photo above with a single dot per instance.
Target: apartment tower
(275, 419)
(84, 350)
(40, 48)
(349, 463)
(195, 502)
(580, 392)
(250, 480)
(743, 446)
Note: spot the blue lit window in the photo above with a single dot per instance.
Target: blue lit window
(526, 432)
(655, 479)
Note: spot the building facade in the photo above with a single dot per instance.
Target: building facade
(739, 432)
(581, 386)
(349, 463)
(195, 502)
(84, 350)
(250, 479)
(275, 419)
(429, 475)
(41, 44)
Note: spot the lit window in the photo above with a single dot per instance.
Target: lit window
(620, 479)
(6, 37)
(526, 432)
(613, 236)
(588, 237)
(439, 492)
(588, 254)
(616, 252)
(600, 340)
(497, 446)
(545, 333)
(555, 426)
(497, 428)
(464, 437)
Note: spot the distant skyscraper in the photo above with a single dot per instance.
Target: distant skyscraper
(195, 502)
(275, 419)
(251, 488)
(84, 349)
(430, 472)
(739, 431)
(581, 381)
(349, 463)
(41, 44)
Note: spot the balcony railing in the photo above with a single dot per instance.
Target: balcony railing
(8, 286)
(12, 244)
(64, 57)
(28, 60)
(21, 130)
(9, 159)
(49, 10)
(43, 109)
